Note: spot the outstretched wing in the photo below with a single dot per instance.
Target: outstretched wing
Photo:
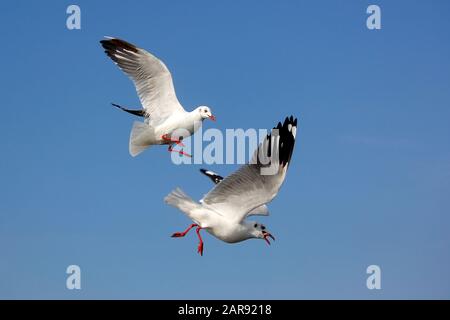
(151, 77)
(258, 182)
(259, 211)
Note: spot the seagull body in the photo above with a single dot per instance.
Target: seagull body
(224, 209)
(163, 113)
(144, 134)
(205, 217)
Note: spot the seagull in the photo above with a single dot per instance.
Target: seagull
(224, 209)
(162, 111)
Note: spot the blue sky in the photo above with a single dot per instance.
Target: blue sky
(368, 184)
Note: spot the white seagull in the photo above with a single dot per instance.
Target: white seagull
(163, 113)
(224, 209)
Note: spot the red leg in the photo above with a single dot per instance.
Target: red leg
(166, 138)
(200, 245)
(182, 234)
(170, 149)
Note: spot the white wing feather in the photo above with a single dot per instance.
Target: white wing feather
(247, 189)
(216, 178)
(150, 75)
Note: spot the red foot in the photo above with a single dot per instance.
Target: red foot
(182, 234)
(178, 235)
(166, 138)
(181, 152)
(185, 154)
(200, 248)
(200, 245)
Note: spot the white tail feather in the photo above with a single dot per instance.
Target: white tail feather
(136, 145)
(178, 199)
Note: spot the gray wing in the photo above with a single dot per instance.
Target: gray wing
(259, 211)
(151, 77)
(258, 182)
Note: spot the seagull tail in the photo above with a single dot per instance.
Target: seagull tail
(137, 145)
(178, 199)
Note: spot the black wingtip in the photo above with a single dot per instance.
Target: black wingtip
(212, 175)
(286, 142)
(114, 44)
(139, 113)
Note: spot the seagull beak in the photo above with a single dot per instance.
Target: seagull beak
(266, 235)
(212, 118)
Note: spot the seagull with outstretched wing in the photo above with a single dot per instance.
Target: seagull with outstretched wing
(163, 113)
(224, 209)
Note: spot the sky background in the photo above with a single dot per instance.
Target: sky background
(369, 181)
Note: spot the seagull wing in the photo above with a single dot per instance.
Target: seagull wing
(216, 178)
(150, 75)
(262, 210)
(258, 182)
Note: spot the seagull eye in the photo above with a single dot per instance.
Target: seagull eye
(205, 110)
(255, 225)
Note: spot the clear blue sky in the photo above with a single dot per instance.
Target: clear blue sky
(369, 182)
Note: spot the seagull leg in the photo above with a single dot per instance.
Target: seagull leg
(165, 137)
(170, 149)
(200, 245)
(182, 234)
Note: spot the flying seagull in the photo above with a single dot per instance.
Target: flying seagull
(224, 209)
(163, 113)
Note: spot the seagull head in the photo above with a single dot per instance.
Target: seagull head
(205, 113)
(259, 231)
